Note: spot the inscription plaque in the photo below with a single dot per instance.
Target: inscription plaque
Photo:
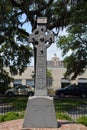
(41, 20)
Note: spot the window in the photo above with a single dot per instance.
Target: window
(65, 82)
(30, 82)
(17, 82)
(49, 81)
(82, 81)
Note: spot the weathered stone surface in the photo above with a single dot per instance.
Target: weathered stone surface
(41, 39)
(40, 110)
(40, 113)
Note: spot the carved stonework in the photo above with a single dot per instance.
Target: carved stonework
(40, 111)
(41, 38)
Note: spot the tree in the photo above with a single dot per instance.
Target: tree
(14, 50)
(14, 14)
(76, 42)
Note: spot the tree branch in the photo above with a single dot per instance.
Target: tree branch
(22, 31)
(16, 4)
(47, 5)
(1, 39)
(83, 41)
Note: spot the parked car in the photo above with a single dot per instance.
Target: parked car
(72, 90)
(20, 90)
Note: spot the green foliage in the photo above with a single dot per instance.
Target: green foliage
(10, 116)
(61, 106)
(74, 44)
(67, 104)
(3, 89)
(5, 80)
(16, 14)
(63, 116)
(49, 74)
(51, 92)
(16, 100)
(14, 49)
(82, 120)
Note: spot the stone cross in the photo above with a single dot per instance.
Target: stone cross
(41, 38)
(40, 111)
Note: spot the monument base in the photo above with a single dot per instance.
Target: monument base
(40, 113)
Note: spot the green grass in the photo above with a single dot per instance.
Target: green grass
(61, 106)
(63, 116)
(16, 103)
(82, 120)
(10, 116)
(68, 104)
(64, 101)
(15, 100)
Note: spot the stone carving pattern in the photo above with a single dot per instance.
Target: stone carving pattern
(41, 38)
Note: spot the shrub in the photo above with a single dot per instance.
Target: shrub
(3, 89)
(63, 116)
(51, 91)
(10, 116)
(82, 120)
(1, 118)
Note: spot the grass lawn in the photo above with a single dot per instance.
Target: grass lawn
(62, 107)
(15, 100)
(60, 104)
(70, 103)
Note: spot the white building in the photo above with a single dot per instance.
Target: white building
(56, 68)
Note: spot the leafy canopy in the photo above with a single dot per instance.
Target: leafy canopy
(75, 41)
(15, 51)
(15, 14)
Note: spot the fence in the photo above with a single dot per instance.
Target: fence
(4, 108)
(74, 110)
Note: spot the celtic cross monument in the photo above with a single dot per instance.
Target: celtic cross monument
(40, 112)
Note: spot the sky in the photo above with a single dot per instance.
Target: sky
(50, 53)
(52, 49)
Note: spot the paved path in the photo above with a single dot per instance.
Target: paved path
(63, 125)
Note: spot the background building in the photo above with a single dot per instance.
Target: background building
(55, 62)
(56, 67)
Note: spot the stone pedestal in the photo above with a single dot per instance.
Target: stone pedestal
(40, 113)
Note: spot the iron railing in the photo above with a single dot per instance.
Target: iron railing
(71, 109)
